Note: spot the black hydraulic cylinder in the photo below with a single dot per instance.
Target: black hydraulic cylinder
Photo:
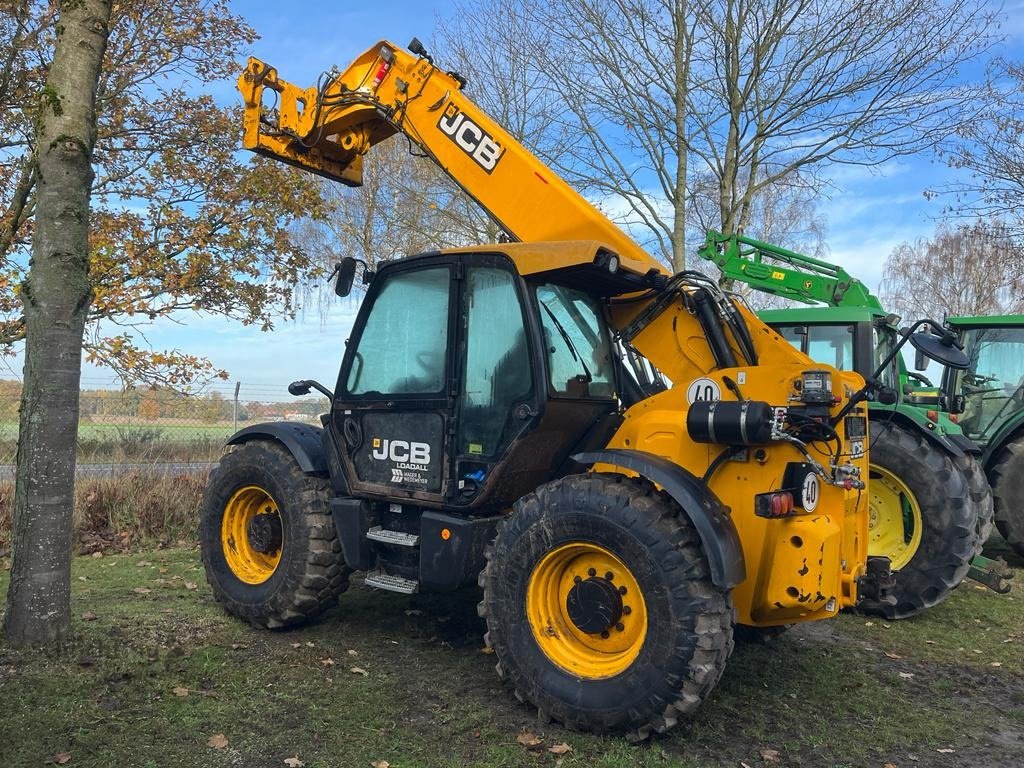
(711, 324)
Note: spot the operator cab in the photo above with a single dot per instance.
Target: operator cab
(470, 378)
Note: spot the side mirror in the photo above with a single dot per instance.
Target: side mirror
(297, 388)
(942, 349)
(920, 361)
(346, 270)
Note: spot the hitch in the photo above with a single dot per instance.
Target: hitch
(992, 573)
(878, 582)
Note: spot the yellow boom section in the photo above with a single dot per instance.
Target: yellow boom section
(327, 129)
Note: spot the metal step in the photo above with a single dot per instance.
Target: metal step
(382, 580)
(399, 538)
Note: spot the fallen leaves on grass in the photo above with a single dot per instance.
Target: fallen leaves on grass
(380, 764)
(61, 758)
(560, 749)
(769, 755)
(180, 691)
(906, 675)
(191, 585)
(359, 671)
(217, 741)
(889, 765)
(946, 751)
(487, 649)
(996, 664)
(296, 645)
(328, 662)
(528, 739)
(895, 656)
(88, 616)
(293, 762)
(352, 653)
(142, 590)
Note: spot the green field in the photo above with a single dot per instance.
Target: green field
(156, 670)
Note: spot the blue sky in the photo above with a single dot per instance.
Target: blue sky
(869, 212)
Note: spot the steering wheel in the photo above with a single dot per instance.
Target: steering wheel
(918, 377)
(425, 360)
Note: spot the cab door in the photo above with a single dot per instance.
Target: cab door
(393, 405)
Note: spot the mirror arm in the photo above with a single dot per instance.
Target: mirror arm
(872, 381)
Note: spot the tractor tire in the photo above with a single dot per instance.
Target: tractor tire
(921, 517)
(268, 542)
(980, 494)
(600, 606)
(1007, 476)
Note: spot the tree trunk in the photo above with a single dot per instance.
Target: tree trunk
(56, 297)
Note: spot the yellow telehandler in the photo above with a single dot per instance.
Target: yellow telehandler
(501, 415)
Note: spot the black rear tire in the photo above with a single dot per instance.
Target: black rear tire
(980, 494)
(1007, 476)
(689, 620)
(949, 524)
(310, 573)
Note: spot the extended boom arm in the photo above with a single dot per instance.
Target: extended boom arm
(328, 128)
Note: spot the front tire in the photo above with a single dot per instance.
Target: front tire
(1007, 475)
(922, 518)
(624, 628)
(268, 543)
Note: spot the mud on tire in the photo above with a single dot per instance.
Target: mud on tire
(689, 620)
(949, 521)
(310, 573)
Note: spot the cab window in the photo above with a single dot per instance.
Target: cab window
(578, 351)
(404, 344)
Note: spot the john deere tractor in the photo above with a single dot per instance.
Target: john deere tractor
(988, 400)
(930, 504)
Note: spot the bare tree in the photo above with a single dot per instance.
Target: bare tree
(968, 270)
(990, 147)
(661, 95)
(56, 296)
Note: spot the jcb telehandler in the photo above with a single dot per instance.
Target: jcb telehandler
(930, 503)
(484, 426)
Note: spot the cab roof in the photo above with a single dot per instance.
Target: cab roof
(976, 321)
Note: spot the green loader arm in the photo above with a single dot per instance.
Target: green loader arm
(785, 273)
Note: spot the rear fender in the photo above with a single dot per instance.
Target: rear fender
(718, 536)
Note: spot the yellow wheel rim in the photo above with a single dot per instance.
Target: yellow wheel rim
(251, 534)
(610, 597)
(894, 524)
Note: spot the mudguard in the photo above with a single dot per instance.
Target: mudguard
(956, 445)
(303, 441)
(709, 516)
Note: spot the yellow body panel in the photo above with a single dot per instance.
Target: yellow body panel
(800, 568)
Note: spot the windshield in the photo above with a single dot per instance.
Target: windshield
(578, 352)
(993, 385)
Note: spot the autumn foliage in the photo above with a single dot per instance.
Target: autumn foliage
(182, 220)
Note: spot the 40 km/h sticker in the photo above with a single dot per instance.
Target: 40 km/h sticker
(809, 492)
(703, 390)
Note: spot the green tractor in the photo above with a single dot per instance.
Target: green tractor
(930, 502)
(988, 401)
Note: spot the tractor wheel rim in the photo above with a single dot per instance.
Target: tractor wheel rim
(895, 522)
(580, 586)
(245, 557)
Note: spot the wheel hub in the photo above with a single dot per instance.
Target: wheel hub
(594, 605)
(264, 533)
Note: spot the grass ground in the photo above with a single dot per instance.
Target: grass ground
(156, 670)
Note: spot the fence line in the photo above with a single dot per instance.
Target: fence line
(143, 425)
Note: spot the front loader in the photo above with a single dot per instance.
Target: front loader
(490, 424)
(930, 502)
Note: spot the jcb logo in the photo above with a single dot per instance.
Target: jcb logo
(401, 451)
(470, 137)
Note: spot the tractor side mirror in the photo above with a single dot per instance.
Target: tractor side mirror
(346, 270)
(942, 349)
(920, 361)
